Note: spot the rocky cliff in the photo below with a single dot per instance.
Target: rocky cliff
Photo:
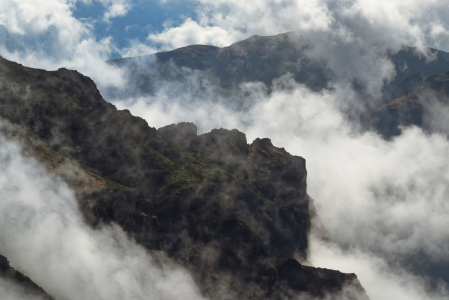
(223, 208)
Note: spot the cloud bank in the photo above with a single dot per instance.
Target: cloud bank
(43, 235)
(410, 22)
(382, 201)
(45, 34)
(11, 291)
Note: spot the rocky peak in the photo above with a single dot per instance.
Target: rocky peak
(223, 143)
(182, 134)
(262, 143)
(173, 191)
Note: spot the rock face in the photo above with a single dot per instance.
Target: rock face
(227, 210)
(423, 101)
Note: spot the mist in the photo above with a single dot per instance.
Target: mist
(383, 202)
(12, 291)
(43, 235)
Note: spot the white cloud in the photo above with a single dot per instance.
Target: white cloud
(221, 23)
(11, 290)
(394, 22)
(380, 200)
(136, 48)
(378, 279)
(189, 33)
(44, 236)
(115, 8)
(23, 17)
(352, 36)
(44, 34)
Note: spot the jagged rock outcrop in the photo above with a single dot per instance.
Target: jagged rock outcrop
(227, 210)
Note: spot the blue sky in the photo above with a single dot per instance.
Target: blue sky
(50, 34)
(143, 18)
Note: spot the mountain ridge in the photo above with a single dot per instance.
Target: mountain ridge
(173, 190)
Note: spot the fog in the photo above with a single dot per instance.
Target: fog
(12, 291)
(44, 236)
(383, 202)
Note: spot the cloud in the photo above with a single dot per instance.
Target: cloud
(378, 279)
(411, 22)
(45, 34)
(115, 8)
(12, 291)
(43, 235)
(353, 36)
(191, 33)
(383, 202)
(385, 197)
(221, 23)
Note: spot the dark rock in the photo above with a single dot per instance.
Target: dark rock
(27, 286)
(172, 190)
(182, 135)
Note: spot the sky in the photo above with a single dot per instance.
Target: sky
(135, 22)
(116, 28)
(380, 200)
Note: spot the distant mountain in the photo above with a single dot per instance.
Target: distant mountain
(265, 58)
(255, 59)
(422, 101)
(246, 205)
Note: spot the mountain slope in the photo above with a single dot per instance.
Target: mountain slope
(263, 59)
(258, 58)
(266, 58)
(221, 207)
(424, 102)
(9, 276)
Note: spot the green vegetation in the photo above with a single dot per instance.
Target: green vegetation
(110, 184)
(259, 194)
(44, 152)
(243, 223)
(202, 163)
(268, 217)
(176, 177)
(437, 78)
(258, 173)
(226, 201)
(70, 101)
(412, 78)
